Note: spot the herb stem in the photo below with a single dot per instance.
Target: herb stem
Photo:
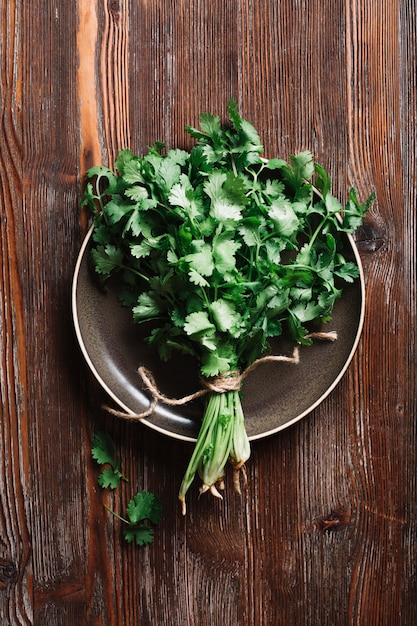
(119, 517)
(136, 272)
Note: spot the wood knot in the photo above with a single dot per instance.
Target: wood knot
(8, 573)
(370, 237)
(338, 518)
(115, 9)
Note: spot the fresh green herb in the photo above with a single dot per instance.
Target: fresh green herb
(145, 507)
(219, 250)
(105, 453)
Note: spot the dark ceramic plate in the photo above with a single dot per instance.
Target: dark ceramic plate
(275, 396)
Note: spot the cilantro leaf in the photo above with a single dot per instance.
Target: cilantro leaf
(283, 216)
(109, 478)
(202, 259)
(210, 124)
(124, 159)
(142, 535)
(213, 364)
(104, 452)
(197, 279)
(348, 271)
(144, 509)
(147, 307)
(137, 193)
(107, 258)
(225, 317)
(144, 506)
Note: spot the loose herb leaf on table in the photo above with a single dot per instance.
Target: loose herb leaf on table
(143, 509)
(219, 250)
(105, 453)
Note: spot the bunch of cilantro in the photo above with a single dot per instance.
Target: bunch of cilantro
(219, 250)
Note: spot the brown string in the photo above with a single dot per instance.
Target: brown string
(228, 381)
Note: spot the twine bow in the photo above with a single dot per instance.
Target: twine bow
(228, 381)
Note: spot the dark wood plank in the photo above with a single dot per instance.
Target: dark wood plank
(15, 565)
(326, 533)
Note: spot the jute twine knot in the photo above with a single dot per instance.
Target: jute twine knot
(227, 381)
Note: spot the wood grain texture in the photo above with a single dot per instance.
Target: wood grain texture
(326, 533)
(15, 550)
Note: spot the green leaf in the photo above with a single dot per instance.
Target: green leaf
(225, 316)
(136, 193)
(303, 165)
(275, 164)
(104, 450)
(246, 128)
(273, 249)
(198, 323)
(144, 506)
(224, 252)
(170, 173)
(355, 212)
(306, 311)
(101, 232)
(214, 185)
(214, 364)
(348, 271)
(178, 196)
(323, 181)
(306, 255)
(102, 172)
(176, 155)
(132, 174)
(332, 204)
(222, 210)
(249, 231)
(210, 124)
(280, 301)
(89, 197)
(284, 217)
(109, 478)
(273, 189)
(98, 170)
(197, 279)
(296, 330)
(141, 535)
(224, 195)
(202, 259)
(107, 258)
(146, 308)
(141, 250)
(123, 160)
(116, 209)
(138, 222)
(234, 189)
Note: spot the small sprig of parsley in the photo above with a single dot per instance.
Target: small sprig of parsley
(105, 453)
(144, 508)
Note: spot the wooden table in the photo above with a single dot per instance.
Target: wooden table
(327, 532)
